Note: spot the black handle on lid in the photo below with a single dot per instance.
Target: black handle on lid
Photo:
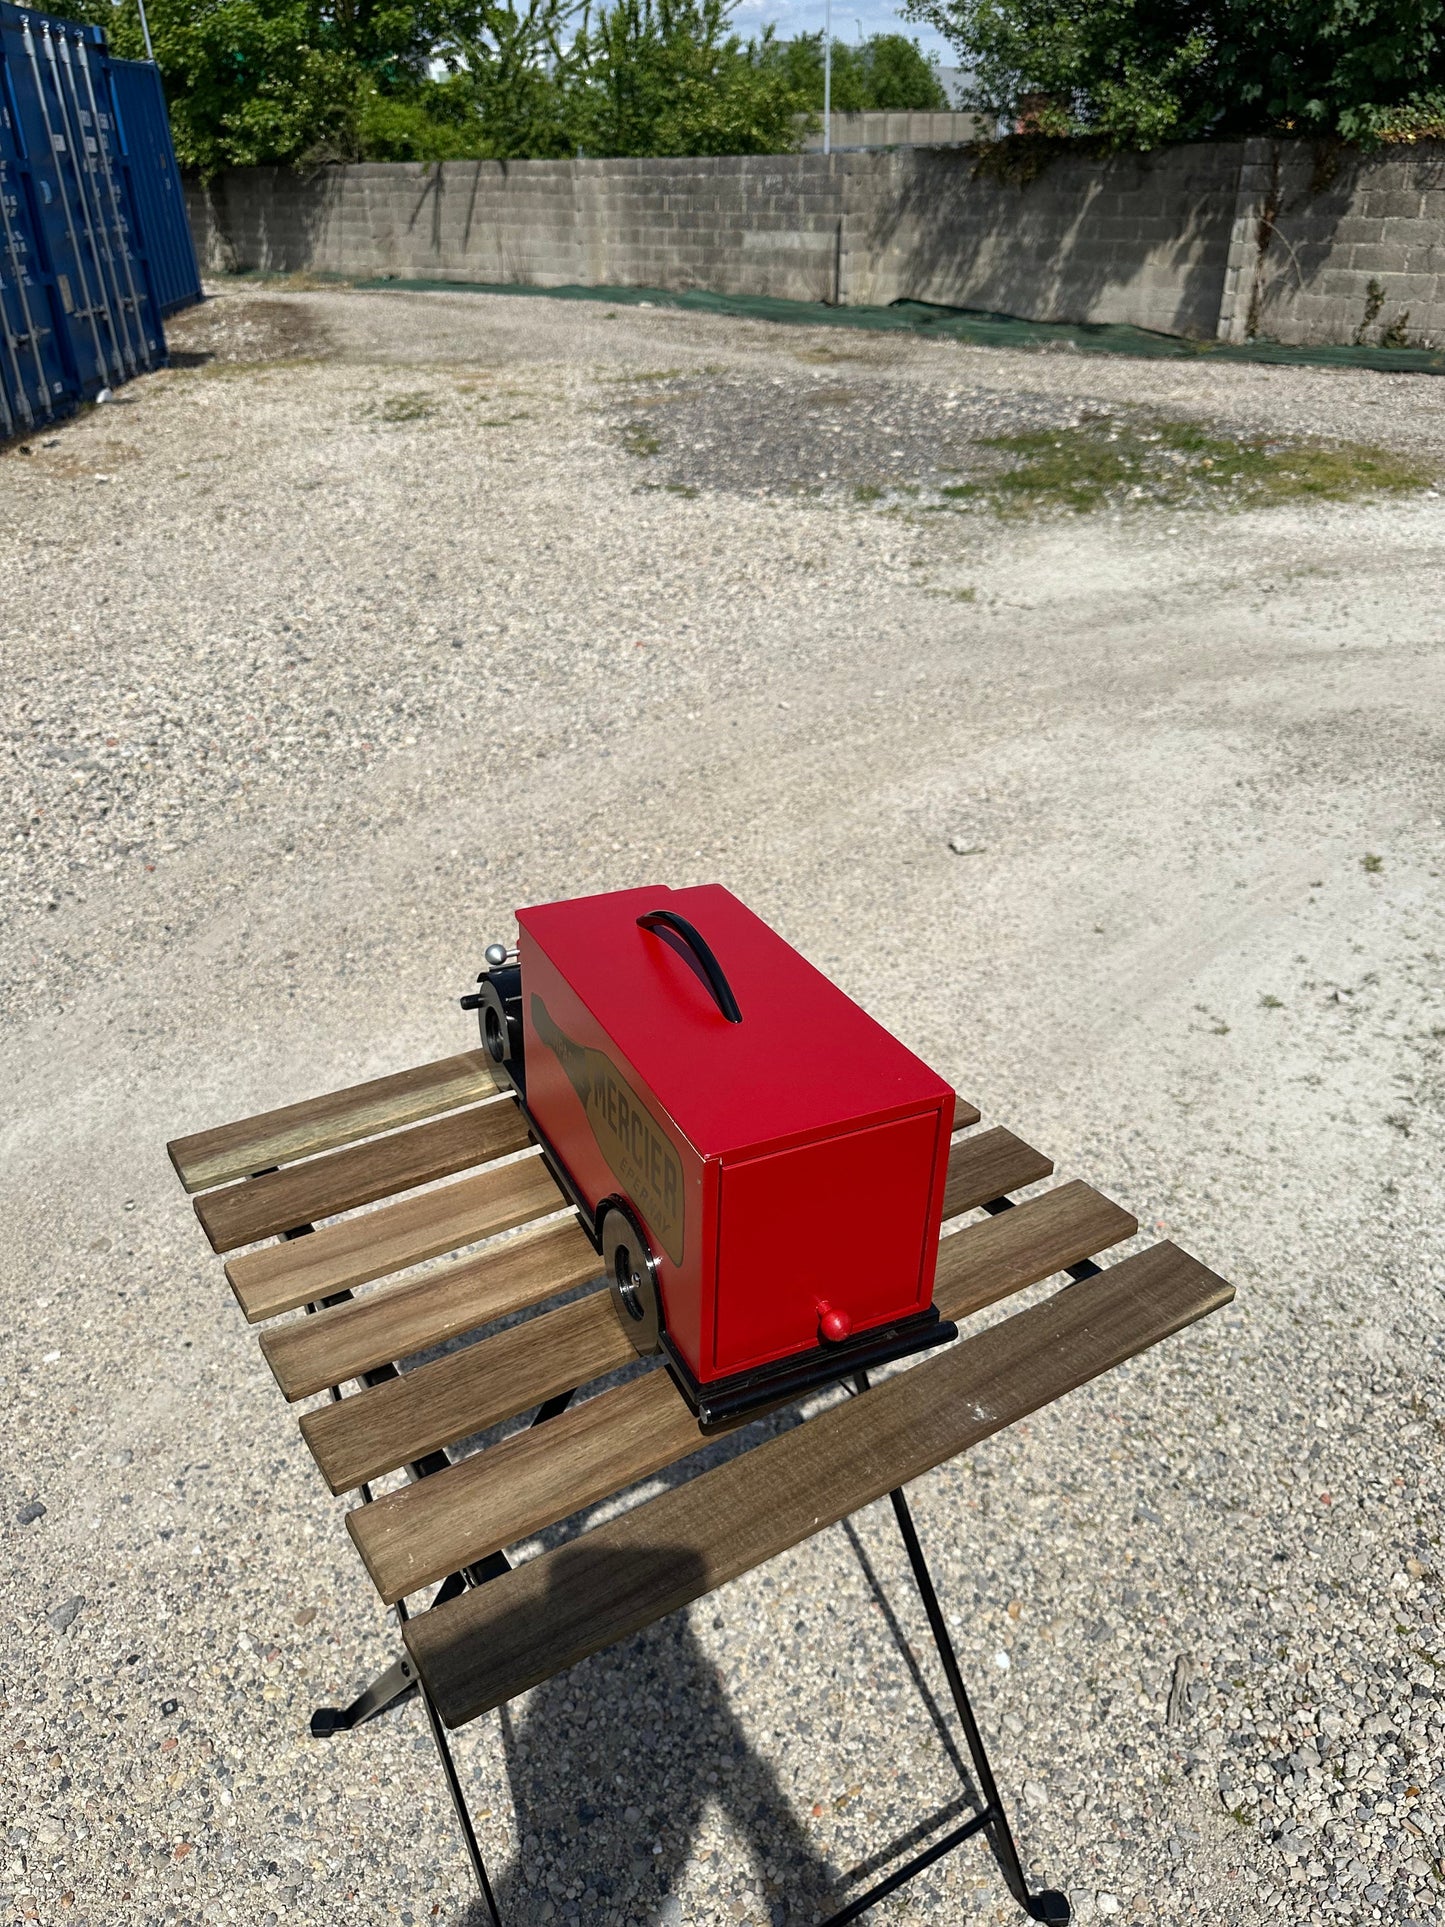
(698, 944)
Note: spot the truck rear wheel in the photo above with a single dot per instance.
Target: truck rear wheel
(632, 1279)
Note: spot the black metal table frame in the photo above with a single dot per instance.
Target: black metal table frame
(401, 1680)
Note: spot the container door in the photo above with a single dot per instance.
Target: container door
(70, 251)
(86, 70)
(149, 159)
(35, 369)
(104, 310)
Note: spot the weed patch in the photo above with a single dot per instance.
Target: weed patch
(415, 406)
(638, 439)
(1151, 461)
(826, 355)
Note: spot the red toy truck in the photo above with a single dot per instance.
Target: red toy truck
(760, 1165)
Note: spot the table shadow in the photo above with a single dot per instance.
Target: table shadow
(612, 1765)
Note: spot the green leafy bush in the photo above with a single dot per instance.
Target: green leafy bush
(668, 77)
(1135, 73)
(887, 72)
(301, 82)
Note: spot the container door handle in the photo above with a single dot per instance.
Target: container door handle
(698, 944)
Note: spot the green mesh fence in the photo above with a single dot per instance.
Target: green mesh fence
(973, 325)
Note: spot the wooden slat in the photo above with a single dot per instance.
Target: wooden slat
(514, 1488)
(323, 1123)
(988, 1165)
(322, 1187)
(452, 1397)
(985, 1262)
(494, 1498)
(345, 1341)
(495, 1641)
(352, 1252)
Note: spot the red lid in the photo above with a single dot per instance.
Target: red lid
(804, 1060)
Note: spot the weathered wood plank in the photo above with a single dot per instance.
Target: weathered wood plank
(450, 1398)
(534, 1479)
(424, 1531)
(988, 1165)
(985, 1262)
(322, 1187)
(495, 1641)
(323, 1123)
(347, 1340)
(352, 1252)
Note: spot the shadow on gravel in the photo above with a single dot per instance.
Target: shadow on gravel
(245, 328)
(614, 1763)
(612, 1766)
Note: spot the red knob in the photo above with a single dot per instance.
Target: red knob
(835, 1325)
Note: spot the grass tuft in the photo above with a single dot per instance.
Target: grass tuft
(415, 406)
(638, 439)
(1150, 461)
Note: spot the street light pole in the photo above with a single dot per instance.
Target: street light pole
(146, 32)
(828, 76)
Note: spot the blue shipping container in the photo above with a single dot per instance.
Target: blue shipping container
(94, 244)
(155, 181)
(36, 376)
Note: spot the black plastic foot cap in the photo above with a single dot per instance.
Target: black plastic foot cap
(325, 1721)
(1052, 1908)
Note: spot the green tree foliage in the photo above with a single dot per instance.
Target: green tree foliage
(300, 82)
(515, 66)
(887, 72)
(1138, 72)
(434, 121)
(279, 81)
(668, 77)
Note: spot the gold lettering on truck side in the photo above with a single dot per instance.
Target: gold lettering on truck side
(636, 1149)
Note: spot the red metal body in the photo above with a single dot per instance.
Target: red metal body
(788, 1168)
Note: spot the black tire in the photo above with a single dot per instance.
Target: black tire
(632, 1278)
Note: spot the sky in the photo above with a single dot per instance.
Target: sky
(850, 17)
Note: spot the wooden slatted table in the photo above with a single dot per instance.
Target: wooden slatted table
(335, 1204)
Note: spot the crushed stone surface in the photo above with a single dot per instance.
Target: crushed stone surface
(789, 434)
(365, 624)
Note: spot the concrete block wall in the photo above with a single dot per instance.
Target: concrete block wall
(899, 130)
(745, 225)
(1313, 231)
(1201, 240)
(1137, 238)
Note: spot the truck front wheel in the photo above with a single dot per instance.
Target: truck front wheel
(632, 1278)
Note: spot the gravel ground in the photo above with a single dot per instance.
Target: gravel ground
(371, 620)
